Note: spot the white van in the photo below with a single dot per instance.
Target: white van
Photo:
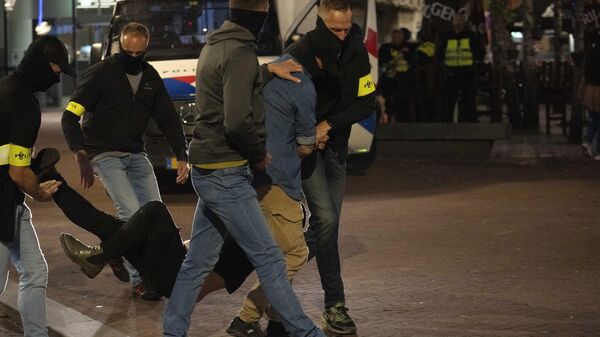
(178, 32)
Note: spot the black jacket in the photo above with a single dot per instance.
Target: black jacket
(348, 96)
(592, 64)
(115, 119)
(20, 120)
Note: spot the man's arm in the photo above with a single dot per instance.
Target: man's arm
(27, 182)
(304, 118)
(84, 98)
(23, 134)
(241, 128)
(170, 125)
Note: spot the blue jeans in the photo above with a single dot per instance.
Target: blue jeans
(26, 255)
(227, 204)
(324, 183)
(131, 183)
(592, 130)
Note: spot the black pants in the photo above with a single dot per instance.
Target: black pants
(461, 86)
(149, 240)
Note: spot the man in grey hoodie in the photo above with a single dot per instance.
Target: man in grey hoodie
(229, 137)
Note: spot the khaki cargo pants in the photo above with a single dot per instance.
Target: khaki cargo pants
(285, 220)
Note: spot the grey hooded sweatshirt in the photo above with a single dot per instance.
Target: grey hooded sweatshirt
(230, 125)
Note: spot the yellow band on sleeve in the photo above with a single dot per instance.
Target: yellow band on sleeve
(75, 108)
(4, 153)
(19, 156)
(366, 85)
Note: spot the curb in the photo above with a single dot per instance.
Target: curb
(62, 321)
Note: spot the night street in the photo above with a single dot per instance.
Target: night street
(429, 249)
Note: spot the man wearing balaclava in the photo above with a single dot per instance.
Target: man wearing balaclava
(229, 141)
(20, 119)
(345, 95)
(116, 98)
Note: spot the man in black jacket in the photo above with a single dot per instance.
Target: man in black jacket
(346, 95)
(117, 97)
(20, 119)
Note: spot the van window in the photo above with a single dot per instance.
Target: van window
(178, 29)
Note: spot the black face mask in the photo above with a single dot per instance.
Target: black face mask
(37, 71)
(251, 20)
(327, 47)
(131, 64)
(46, 79)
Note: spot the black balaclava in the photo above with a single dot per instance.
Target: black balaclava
(326, 46)
(132, 65)
(35, 67)
(302, 51)
(251, 20)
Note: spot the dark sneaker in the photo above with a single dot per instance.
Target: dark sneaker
(85, 256)
(276, 329)
(337, 320)
(239, 328)
(141, 290)
(119, 269)
(587, 150)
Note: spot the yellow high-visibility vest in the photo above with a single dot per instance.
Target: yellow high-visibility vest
(399, 62)
(458, 53)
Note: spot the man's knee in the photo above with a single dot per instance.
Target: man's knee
(33, 276)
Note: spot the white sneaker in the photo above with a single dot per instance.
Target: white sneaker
(586, 149)
(597, 157)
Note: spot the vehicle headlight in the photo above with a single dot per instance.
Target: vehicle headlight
(187, 112)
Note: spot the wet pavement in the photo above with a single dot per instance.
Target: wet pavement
(507, 247)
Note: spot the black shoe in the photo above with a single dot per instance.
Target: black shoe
(43, 164)
(276, 329)
(337, 320)
(119, 269)
(239, 328)
(141, 290)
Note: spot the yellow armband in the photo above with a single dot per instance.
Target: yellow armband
(366, 85)
(19, 156)
(75, 108)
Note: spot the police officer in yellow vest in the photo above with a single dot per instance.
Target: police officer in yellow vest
(396, 80)
(459, 51)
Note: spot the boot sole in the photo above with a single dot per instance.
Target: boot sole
(87, 271)
(333, 331)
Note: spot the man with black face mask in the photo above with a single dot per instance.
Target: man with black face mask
(229, 139)
(117, 97)
(20, 119)
(345, 95)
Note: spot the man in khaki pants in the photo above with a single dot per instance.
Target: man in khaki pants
(290, 123)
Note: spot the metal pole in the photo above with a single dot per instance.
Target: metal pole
(5, 24)
(74, 33)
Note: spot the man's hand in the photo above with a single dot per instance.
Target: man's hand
(85, 169)
(264, 163)
(285, 69)
(183, 171)
(48, 189)
(305, 150)
(322, 137)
